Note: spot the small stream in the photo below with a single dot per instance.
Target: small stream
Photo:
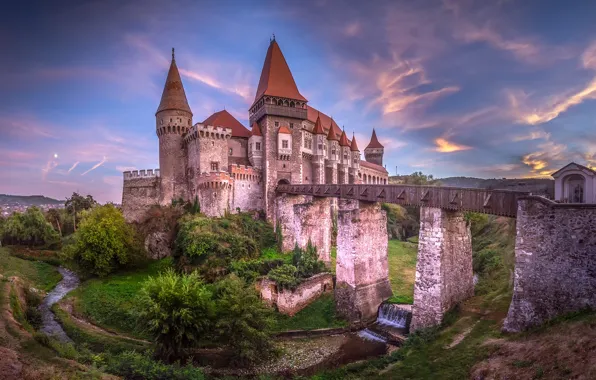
(50, 326)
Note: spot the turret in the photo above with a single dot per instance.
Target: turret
(173, 119)
(255, 146)
(344, 147)
(374, 151)
(332, 144)
(355, 153)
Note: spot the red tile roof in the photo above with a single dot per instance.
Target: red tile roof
(370, 165)
(276, 77)
(343, 140)
(173, 96)
(312, 115)
(318, 129)
(256, 130)
(332, 135)
(224, 119)
(354, 146)
(374, 142)
(284, 129)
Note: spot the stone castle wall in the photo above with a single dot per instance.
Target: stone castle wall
(141, 190)
(290, 302)
(214, 192)
(247, 191)
(555, 262)
(172, 154)
(312, 221)
(444, 274)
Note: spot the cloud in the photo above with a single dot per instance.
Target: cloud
(96, 165)
(352, 29)
(125, 168)
(532, 135)
(73, 166)
(549, 154)
(445, 146)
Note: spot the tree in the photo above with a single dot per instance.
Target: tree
(418, 178)
(307, 261)
(178, 311)
(54, 218)
(77, 203)
(104, 242)
(29, 228)
(243, 321)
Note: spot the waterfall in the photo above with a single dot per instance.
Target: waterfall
(393, 315)
(367, 334)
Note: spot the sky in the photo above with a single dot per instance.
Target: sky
(483, 88)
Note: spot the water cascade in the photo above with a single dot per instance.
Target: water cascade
(391, 326)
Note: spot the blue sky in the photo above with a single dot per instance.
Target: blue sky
(474, 88)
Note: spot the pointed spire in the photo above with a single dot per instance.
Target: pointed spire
(354, 146)
(173, 96)
(374, 142)
(343, 140)
(276, 77)
(256, 130)
(318, 130)
(331, 135)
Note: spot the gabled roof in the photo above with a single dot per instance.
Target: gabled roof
(284, 129)
(343, 140)
(318, 129)
(580, 167)
(374, 142)
(276, 77)
(370, 165)
(354, 146)
(224, 119)
(173, 96)
(256, 130)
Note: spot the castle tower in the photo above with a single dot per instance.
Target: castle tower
(333, 154)
(255, 146)
(344, 159)
(355, 153)
(374, 151)
(172, 120)
(319, 152)
(278, 104)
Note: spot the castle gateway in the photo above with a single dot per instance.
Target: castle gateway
(227, 167)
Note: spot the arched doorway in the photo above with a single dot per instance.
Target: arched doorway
(574, 188)
(283, 182)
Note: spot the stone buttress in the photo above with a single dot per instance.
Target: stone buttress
(362, 272)
(444, 274)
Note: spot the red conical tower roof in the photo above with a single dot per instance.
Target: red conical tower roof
(331, 135)
(173, 96)
(343, 140)
(224, 119)
(256, 130)
(374, 142)
(318, 130)
(276, 77)
(354, 146)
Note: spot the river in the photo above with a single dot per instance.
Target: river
(50, 326)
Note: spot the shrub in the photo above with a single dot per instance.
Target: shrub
(177, 311)
(134, 365)
(487, 261)
(286, 276)
(243, 321)
(104, 242)
(307, 261)
(251, 269)
(30, 228)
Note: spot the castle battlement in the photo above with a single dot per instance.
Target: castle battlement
(245, 173)
(214, 180)
(202, 131)
(146, 173)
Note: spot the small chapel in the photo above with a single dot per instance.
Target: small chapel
(575, 183)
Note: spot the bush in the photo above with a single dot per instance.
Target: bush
(250, 270)
(134, 365)
(177, 311)
(104, 242)
(307, 261)
(30, 228)
(286, 276)
(487, 261)
(243, 322)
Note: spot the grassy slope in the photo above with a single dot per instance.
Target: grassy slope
(402, 270)
(319, 314)
(41, 275)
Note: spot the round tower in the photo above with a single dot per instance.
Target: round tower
(373, 153)
(173, 119)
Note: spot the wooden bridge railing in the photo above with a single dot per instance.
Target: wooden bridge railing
(496, 202)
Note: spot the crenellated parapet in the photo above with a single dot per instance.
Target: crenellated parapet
(245, 173)
(213, 193)
(141, 190)
(217, 180)
(132, 174)
(202, 131)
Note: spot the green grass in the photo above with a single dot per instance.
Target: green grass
(319, 314)
(402, 270)
(41, 275)
(109, 302)
(333, 259)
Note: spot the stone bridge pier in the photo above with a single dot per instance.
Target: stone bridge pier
(362, 272)
(444, 274)
(302, 218)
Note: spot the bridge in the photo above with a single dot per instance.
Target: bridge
(496, 202)
(553, 240)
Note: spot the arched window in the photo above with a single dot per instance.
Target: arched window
(574, 188)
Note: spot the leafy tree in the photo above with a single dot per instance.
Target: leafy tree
(104, 242)
(286, 276)
(243, 321)
(178, 311)
(307, 261)
(418, 178)
(76, 204)
(29, 228)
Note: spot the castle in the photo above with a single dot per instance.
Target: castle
(227, 167)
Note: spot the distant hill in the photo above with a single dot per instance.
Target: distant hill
(27, 200)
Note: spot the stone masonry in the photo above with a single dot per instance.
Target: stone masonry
(362, 273)
(555, 262)
(444, 274)
(312, 221)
